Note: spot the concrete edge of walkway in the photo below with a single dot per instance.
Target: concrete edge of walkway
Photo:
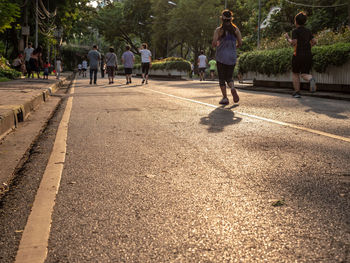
(317, 94)
(10, 123)
(19, 113)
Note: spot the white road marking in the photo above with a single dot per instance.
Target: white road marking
(34, 242)
(259, 118)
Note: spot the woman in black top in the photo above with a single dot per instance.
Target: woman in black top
(302, 40)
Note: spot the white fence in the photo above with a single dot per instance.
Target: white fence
(333, 75)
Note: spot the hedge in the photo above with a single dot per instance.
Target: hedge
(278, 61)
(171, 63)
(7, 72)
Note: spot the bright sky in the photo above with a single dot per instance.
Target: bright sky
(93, 3)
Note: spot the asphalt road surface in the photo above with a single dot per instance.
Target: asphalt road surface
(162, 173)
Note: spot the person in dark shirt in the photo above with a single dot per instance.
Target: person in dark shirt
(302, 40)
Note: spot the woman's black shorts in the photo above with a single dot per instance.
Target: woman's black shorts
(302, 64)
(145, 68)
(225, 73)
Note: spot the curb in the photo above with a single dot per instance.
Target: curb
(320, 94)
(14, 114)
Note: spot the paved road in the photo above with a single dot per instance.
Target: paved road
(161, 173)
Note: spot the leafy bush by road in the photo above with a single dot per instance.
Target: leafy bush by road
(6, 72)
(278, 61)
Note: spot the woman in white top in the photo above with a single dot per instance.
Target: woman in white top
(58, 67)
(202, 65)
(145, 62)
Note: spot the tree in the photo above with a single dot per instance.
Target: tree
(9, 12)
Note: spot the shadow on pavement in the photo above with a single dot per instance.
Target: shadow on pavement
(219, 118)
(325, 107)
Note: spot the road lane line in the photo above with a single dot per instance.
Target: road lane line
(34, 241)
(259, 118)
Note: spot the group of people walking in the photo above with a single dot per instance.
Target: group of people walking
(111, 62)
(226, 40)
(31, 62)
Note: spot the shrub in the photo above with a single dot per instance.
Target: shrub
(7, 72)
(324, 37)
(279, 61)
(329, 37)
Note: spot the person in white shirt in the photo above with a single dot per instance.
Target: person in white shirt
(202, 65)
(79, 69)
(145, 62)
(84, 65)
(27, 54)
(58, 67)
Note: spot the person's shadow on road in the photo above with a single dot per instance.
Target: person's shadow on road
(219, 118)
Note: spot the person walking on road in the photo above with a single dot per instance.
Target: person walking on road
(35, 62)
(202, 65)
(227, 38)
(84, 66)
(28, 53)
(94, 58)
(103, 66)
(46, 69)
(111, 64)
(146, 60)
(58, 67)
(212, 67)
(128, 60)
(302, 40)
(79, 68)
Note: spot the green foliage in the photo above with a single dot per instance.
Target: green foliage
(9, 12)
(336, 55)
(73, 55)
(266, 61)
(279, 61)
(324, 37)
(7, 72)
(329, 37)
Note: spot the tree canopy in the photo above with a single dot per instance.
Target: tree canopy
(178, 27)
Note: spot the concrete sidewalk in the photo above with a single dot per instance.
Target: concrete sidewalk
(19, 97)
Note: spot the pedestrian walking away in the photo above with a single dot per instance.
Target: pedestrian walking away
(146, 61)
(28, 53)
(227, 38)
(202, 65)
(212, 67)
(94, 58)
(103, 66)
(79, 69)
(58, 67)
(35, 62)
(46, 69)
(84, 66)
(111, 64)
(302, 40)
(128, 60)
